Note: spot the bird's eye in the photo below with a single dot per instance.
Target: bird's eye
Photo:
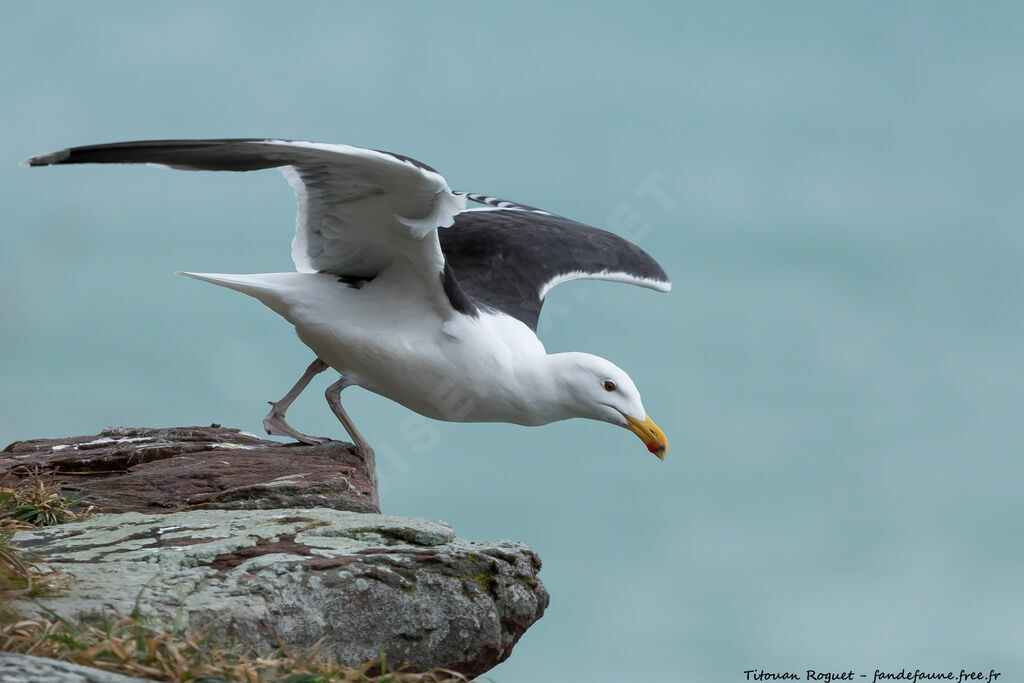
(609, 385)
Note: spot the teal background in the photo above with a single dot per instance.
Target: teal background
(838, 367)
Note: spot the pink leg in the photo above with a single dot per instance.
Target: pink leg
(274, 422)
(333, 395)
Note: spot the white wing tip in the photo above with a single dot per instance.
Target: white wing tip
(47, 159)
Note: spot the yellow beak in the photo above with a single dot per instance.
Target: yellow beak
(649, 434)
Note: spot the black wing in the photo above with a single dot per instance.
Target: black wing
(508, 259)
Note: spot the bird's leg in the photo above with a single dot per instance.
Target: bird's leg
(333, 395)
(274, 421)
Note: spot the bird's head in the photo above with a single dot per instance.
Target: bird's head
(600, 390)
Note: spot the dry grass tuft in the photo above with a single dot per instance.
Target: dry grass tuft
(34, 499)
(125, 644)
(24, 575)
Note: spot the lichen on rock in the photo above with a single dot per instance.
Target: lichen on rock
(361, 582)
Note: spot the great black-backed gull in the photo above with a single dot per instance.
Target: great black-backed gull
(405, 292)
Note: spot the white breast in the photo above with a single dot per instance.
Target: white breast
(390, 339)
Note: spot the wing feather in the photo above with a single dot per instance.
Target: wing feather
(359, 210)
(511, 256)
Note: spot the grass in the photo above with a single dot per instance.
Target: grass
(128, 644)
(32, 501)
(23, 575)
(35, 500)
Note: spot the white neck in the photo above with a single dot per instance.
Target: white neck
(545, 390)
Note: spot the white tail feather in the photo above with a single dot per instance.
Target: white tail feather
(274, 290)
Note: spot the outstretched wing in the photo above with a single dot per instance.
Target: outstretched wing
(510, 256)
(360, 210)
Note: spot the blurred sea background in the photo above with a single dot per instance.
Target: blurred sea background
(838, 367)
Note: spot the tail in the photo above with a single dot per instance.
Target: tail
(277, 291)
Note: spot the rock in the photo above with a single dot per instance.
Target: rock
(15, 668)
(360, 581)
(253, 541)
(156, 470)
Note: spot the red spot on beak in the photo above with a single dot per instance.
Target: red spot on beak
(655, 447)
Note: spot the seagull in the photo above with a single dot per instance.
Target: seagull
(405, 292)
